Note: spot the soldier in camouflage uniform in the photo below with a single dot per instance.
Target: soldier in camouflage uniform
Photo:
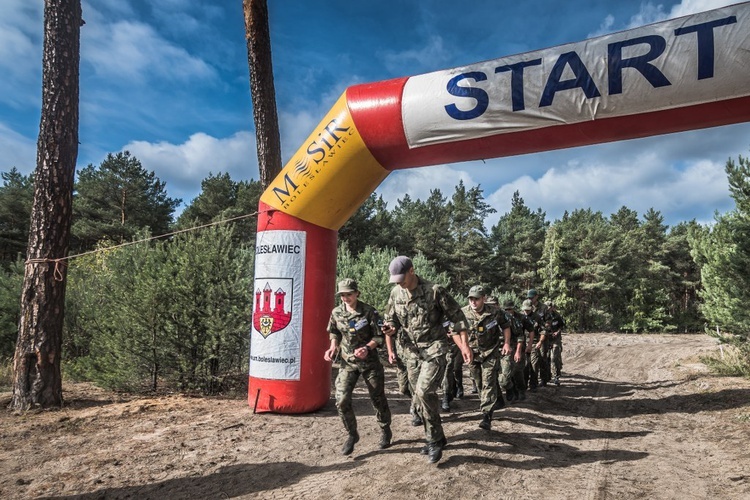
(538, 348)
(489, 331)
(354, 329)
(417, 307)
(540, 311)
(554, 326)
(512, 379)
(453, 367)
(408, 356)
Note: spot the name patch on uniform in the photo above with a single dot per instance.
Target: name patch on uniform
(361, 324)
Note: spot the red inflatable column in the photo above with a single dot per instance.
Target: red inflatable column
(295, 263)
(295, 270)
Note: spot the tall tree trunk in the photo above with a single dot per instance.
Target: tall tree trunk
(37, 379)
(262, 89)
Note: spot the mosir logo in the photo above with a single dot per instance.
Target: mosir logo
(270, 314)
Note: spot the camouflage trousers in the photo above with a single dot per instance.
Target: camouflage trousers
(412, 363)
(511, 373)
(539, 366)
(484, 373)
(454, 364)
(374, 377)
(555, 356)
(402, 376)
(426, 377)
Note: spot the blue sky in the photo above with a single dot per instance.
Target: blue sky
(168, 81)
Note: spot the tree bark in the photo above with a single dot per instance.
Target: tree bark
(37, 380)
(262, 89)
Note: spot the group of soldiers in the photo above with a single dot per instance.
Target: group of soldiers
(429, 337)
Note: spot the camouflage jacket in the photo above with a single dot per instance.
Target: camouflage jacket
(541, 311)
(355, 329)
(520, 324)
(485, 328)
(555, 322)
(419, 314)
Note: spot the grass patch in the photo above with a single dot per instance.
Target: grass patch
(734, 360)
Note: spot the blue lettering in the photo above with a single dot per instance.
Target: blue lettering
(286, 191)
(516, 81)
(616, 63)
(705, 33)
(312, 151)
(483, 100)
(582, 79)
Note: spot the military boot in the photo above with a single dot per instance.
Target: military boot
(435, 452)
(486, 422)
(348, 447)
(510, 395)
(416, 420)
(426, 448)
(459, 388)
(446, 404)
(500, 403)
(385, 438)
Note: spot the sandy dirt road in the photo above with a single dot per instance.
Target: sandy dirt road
(636, 416)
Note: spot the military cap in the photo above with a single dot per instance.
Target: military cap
(477, 291)
(532, 293)
(527, 306)
(399, 267)
(509, 304)
(347, 285)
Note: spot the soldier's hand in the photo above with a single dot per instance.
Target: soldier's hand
(467, 354)
(391, 357)
(388, 329)
(330, 354)
(361, 352)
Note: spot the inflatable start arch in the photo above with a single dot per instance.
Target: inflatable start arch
(682, 74)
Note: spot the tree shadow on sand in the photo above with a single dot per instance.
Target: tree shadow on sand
(589, 397)
(228, 482)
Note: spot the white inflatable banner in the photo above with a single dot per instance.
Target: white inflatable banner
(686, 61)
(276, 338)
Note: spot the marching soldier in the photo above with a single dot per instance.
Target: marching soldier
(353, 328)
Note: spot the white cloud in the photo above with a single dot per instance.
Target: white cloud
(418, 182)
(430, 56)
(641, 182)
(653, 13)
(21, 34)
(687, 7)
(134, 51)
(18, 151)
(184, 166)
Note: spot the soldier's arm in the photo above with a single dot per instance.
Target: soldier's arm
(391, 323)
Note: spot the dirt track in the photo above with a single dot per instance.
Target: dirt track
(636, 416)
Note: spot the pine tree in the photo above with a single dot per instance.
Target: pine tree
(16, 195)
(470, 248)
(117, 199)
(578, 268)
(723, 254)
(517, 243)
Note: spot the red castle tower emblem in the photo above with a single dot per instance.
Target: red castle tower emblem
(265, 319)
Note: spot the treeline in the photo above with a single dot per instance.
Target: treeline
(175, 312)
